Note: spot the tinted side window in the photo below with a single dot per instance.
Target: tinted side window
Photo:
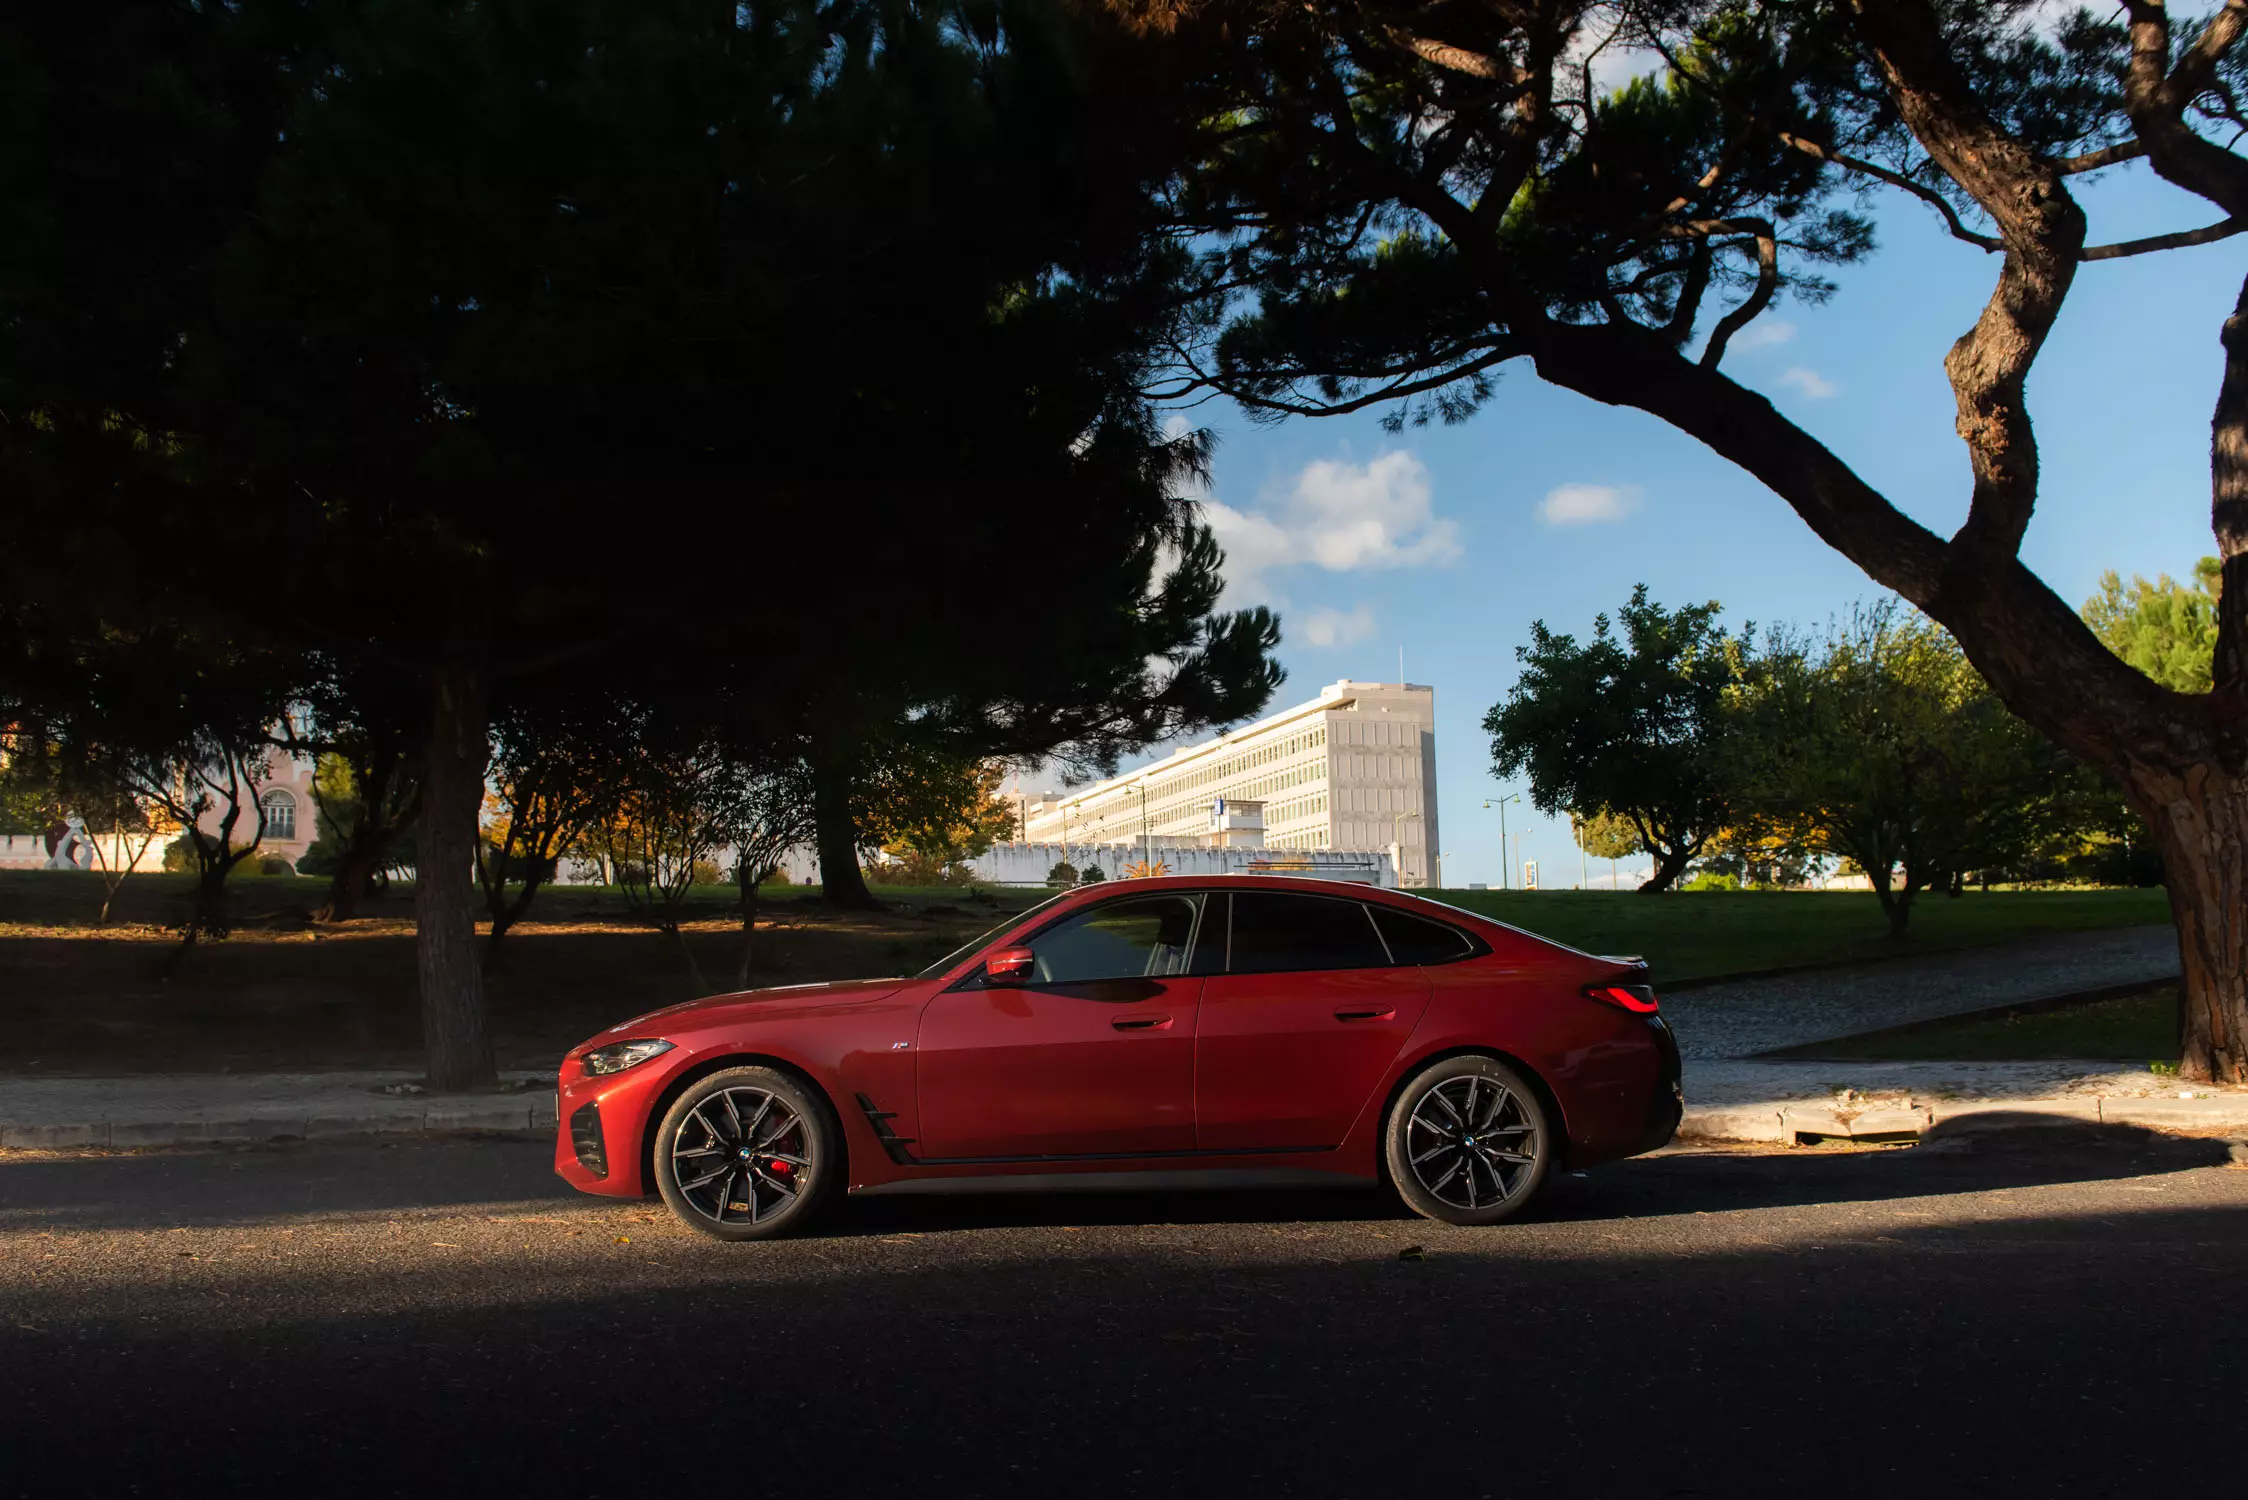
(1417, 940)
(1140, 937)
(1274, 932)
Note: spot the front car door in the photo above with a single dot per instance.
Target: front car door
(1094, 1056)
(1299, 1028)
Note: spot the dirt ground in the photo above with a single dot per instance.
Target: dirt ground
(284, 994)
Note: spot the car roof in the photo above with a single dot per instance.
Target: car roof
(1305, 884)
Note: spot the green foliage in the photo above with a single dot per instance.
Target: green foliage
(1879, 744)
(1708, 880)
(941, 808)
(1626, 724)
(1092, 875)
(1063, 874)
(1605, 835)
(2166, 629)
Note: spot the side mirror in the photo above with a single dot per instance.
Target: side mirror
(1009, 966)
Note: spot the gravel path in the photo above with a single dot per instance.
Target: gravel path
(1758, 1015)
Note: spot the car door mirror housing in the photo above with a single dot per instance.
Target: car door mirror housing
(1009, 966)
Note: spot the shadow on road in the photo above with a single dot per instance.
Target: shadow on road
(245, 1185)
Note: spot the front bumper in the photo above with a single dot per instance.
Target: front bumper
(601, 1125)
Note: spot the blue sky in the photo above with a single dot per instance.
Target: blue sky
(1448, 542)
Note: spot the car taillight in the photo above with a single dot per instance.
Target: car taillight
(1639, 999)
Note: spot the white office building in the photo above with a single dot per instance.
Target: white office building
(1352, 770)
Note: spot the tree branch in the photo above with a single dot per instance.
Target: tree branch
(1926, 194)
(2106, 156)
(1767, 282)
(2208, 234)
(1395, 391)
(2027, 641)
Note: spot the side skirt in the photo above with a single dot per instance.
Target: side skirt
(1164, 1181)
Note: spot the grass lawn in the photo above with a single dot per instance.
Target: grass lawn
(284, 994)
(2134, 1028)
(1700, 934)
(281, 994)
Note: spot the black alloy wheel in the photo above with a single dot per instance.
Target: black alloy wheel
(747, 1154)
(1467, 1141)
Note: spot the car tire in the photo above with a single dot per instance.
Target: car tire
(1468, 1141)
(748, 1154)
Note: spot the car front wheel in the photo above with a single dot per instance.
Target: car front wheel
(747, 1154)
(1467, 1141)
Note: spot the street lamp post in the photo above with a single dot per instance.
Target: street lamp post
(1500, 804)
(1147, 851)
(1397, 842)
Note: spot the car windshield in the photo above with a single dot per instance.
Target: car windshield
(938, 968)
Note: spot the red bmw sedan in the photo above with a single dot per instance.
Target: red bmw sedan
(1246, 1029)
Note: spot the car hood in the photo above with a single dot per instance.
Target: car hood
(744, 1004)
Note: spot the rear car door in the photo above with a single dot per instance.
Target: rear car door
(1298, 1029)
(1094, 1056)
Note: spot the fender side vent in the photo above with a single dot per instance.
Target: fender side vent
(892, 1143)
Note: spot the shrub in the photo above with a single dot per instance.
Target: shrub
(274, 864)
(1092, 876)
(915, 868)
(322, 858)
(1711, 882)
(1063, 873)
(705, 872)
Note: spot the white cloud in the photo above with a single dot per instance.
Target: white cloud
(1332, 627)
(1338, 516)
(1764, 333)
(1584, 504)
(1810, 382)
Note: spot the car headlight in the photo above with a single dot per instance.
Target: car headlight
(618, 1056)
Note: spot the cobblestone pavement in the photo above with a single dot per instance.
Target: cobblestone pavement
(1750, 1016)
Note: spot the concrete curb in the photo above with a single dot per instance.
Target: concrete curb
(523, 1114)
(1793, 1121)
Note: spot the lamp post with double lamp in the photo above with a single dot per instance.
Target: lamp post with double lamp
(1397, 843)
(1500, 803)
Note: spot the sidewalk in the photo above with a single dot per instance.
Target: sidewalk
(1856, 1100)
(175, 1109)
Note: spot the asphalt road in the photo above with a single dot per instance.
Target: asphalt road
(1972, 1318)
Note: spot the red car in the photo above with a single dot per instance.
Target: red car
(1144, 1033)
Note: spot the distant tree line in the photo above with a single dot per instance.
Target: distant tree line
(1873, 743)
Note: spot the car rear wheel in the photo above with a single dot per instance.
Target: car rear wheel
(1467, 1141)
(747, 1154)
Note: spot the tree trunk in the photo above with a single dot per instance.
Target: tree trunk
(454, 1031)
(841, 883)
(1899, 908)
(348, 886)
(749, 934)
(1668, 867)
(2200, 821)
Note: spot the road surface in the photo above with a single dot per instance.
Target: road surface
(2058, 1316)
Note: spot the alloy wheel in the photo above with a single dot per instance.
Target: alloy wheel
(1471, 1144)
(741, 1156)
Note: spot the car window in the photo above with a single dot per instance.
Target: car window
(945, 964)
(1417, 940)
(1275, 932)
(1138, 937)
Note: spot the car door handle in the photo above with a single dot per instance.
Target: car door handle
(1141, 1023)
(1365, 1012)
